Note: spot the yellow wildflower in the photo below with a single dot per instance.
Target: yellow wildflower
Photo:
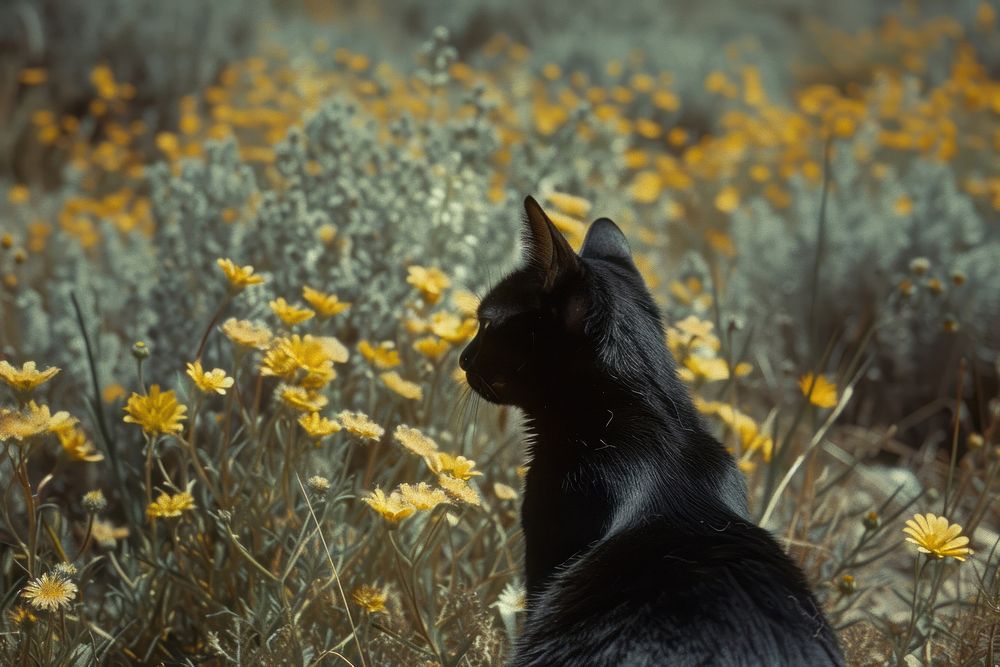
(31, 421)
(18, 194)
(313, 355)
(465, 302)
(360, 425)
(289, 314)
(453, 328)
(430, 281)
(459, 489)
(326, 305)
(156, 412)
(423, 496)
(318, 426)
(49, 592)
(824, 392)
(383, 356)
(903, 205)
(239, 276)
(404, 388)
(246, 333)
(504, 492)
(300, 398)
(106, 534)
(167, 506)
(370, 599)
(214, 380)
(27, 378)
(415, 441)
(728, 199)
(20, 615)
(392, 508)
(77, 445)
(935, 536)
(432, 347)
(458, 467)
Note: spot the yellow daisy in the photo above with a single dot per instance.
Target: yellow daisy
(432, 347)
(78, 446)
(430, 281)
(167, 506)
(31, 421)
(415, 441)
(208, 381)
(246, 333)
(392, 508)
(578, 207)
(504, 491)
(404, 388)
(459, 489)
(289, 314)
(384, 356)
(935, 536)
(318, 426)
(300, 398)
(239, 276)
(156, 412)
(27, 378)
(360, 425)
(370, 599)
(458, 467)
(422, 496)
(453, 328)
(49, 592)
(326, 305)
(824, 392)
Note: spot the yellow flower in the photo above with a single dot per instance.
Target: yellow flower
(156, 412)
(370, 599)
(465, 302)
(215, 380)
(903, 205)
(690, 293)
(107, 534)
(300, 398)
(824, 392)
(459, 489)
(415, 441)
(383, 356)
(49, 592)
(289, 314)
(504, 492)
(246, 333)
(314, 356)
(728, 199)
(423, 496)
(432, 347)
(77, 445)
(404, 388)
(360, 425)
(392, 508)
(20, 615)
(168, 506)
(18, 194)
(326, 305)
(458, 467)
(571, 205)
(239, 276)
(453, 328)
(752, 438)
(317, 426)
(27, 378)
(935, 536)
(31, 421)
(430, 281)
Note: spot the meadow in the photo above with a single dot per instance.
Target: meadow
(241, 249)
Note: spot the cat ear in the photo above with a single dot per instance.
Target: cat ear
(545, 246)
(605, 240)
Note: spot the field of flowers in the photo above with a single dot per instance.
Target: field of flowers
(239, 258)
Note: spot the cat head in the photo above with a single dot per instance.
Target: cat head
(562, 318)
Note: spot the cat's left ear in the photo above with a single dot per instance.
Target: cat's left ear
(546, 247)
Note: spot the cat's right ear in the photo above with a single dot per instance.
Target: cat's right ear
(545, 246)
(605, 240)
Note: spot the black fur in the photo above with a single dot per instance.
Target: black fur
(639, 546)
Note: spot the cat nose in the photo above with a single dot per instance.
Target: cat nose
(464, 359)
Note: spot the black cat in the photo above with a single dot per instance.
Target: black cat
(639, 546)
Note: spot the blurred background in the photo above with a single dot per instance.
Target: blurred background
(811, 190)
